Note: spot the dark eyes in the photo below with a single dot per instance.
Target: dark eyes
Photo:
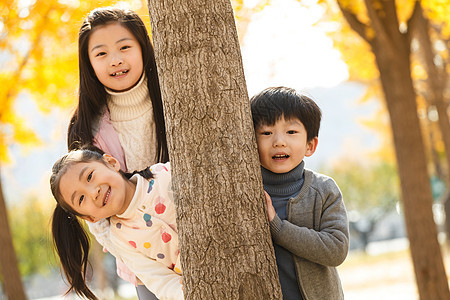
(89, 177)
(100, 54)
(288, 132)
(104, 53)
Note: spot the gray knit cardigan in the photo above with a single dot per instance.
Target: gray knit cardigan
(316, 233)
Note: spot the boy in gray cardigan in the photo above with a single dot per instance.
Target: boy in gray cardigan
(307, 216)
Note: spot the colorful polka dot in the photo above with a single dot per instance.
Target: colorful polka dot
(147, 245)
(119, 225)
(147, 219)
(177, 270)
(160, 208)
(132, 244)
(166, 237)
(160, 256)
(150, 186)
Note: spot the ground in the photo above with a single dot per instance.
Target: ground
(385, 272)
(384, 276)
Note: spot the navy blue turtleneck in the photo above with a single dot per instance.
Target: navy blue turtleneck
(281, 188)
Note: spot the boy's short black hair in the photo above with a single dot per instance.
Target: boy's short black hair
(273, 103)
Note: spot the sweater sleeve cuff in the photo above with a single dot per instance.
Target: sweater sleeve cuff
(275, 226)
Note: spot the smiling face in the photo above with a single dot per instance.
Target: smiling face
(96, 190)
(283, 146)
(116, 57)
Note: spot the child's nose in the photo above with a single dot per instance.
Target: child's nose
(279, 140)
(95, 193)
(116, 60)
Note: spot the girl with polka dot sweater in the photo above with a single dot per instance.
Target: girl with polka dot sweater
(142, 219)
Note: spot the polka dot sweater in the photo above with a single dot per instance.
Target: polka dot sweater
(146, 234)
(148, 225)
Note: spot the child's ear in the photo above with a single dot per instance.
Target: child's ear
(112, 161)
(311, 146)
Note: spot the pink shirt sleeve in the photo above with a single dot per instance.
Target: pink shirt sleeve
(107, 139)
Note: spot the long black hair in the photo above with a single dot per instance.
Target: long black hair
(92, 94)
(70, 239)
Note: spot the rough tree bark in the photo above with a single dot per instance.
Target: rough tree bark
(392, 54)
(10, 275)
(225, 240)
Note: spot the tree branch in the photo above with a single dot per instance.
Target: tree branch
(413, 21)
(377, 24)
(359, 27)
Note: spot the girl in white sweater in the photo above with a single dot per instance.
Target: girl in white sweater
(119, 109)
(142, 227)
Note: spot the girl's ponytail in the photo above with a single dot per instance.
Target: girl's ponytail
(72, 246)
(146, 173)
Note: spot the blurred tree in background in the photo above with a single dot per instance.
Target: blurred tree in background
(382, 36)
(429, 68)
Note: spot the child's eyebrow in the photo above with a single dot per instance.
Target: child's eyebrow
(117, 42)
(124, 39)
(97, 46)
(79, 178)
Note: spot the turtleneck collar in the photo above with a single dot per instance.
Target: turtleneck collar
(128, 105)
(284, 184)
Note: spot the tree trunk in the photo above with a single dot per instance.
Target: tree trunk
(436, 84)
(10, 275)
(393, 61)
(392, 54)
(444, 125)
(415, 185)
(226, 248)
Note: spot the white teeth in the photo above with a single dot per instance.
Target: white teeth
(107, 196)
(119, 73)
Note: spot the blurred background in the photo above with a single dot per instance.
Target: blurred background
(308, 45)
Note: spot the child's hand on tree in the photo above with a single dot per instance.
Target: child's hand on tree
(270, 209)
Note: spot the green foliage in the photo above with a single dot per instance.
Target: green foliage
(367, 187)
(30, 228)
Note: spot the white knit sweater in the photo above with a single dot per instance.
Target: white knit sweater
(132, 118)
